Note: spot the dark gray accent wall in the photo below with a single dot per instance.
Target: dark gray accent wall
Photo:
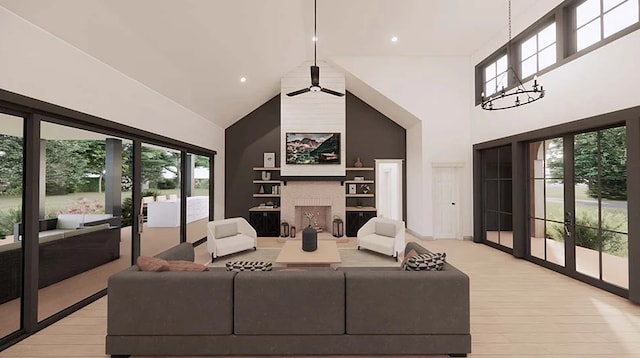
(245, 142)
(370, 135)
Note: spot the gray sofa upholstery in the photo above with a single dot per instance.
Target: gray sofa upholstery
(349, 311)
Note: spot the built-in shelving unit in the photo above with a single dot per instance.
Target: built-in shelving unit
(266, 218)
(359, 205)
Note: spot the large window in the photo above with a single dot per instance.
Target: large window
(539, 51)
(599, 19)
(495, 76)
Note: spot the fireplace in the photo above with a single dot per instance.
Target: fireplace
(322, 199)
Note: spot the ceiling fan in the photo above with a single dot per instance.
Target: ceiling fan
(315, 70)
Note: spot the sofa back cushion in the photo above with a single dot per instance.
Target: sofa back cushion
(170, 303)
(226, 230)
(280, 303)
(414, 302)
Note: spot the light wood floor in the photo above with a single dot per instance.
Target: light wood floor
(518, 309)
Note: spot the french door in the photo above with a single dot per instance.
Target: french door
(578, 205)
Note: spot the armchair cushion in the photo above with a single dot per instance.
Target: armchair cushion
(385, 229)
(226, 230)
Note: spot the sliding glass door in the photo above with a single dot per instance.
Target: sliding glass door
(582, 227)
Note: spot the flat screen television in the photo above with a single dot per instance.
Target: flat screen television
(313, 148)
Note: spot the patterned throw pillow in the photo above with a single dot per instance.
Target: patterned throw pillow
(238, 266)
(425, 262)
(409, 254)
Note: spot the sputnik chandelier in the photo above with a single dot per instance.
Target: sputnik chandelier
(503, 99)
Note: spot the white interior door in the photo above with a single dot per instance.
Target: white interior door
(446, 202)
(389, 188)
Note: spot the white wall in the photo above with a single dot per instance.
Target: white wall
(435, 90)
(37, 64)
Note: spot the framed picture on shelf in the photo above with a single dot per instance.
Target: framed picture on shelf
(269, 160)
(353, 189)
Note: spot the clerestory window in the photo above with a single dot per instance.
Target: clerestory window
(539, 51)
(599, 19)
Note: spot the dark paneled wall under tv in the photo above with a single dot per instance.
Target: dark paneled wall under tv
(370, 135)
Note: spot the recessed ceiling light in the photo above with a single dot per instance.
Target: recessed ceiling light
(394, 39)
(243, 79)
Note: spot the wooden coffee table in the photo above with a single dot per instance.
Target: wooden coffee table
(293, 255)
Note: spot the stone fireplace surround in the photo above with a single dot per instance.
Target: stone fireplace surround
(325, 197)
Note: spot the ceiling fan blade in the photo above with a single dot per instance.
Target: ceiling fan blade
(326, 90)
(295, 93)
(315, 76)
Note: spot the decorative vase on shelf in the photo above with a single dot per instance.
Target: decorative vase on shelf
(261, 191)
(358, 163)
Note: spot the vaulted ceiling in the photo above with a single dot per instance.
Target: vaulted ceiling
(196, 51)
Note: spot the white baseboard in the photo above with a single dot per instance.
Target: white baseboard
(420, 237)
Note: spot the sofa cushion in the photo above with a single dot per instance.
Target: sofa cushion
(413, 302)
(385, 229)
(183, 251)
(425, 262)
(152, 264)
(289, 303)
(238, 266)
(188, 266)
(226, 230)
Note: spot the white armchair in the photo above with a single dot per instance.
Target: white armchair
(228, 236)
(382, 235)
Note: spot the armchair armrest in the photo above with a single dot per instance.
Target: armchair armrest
(368, 228)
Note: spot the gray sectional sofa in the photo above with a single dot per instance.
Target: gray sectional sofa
(349, 311)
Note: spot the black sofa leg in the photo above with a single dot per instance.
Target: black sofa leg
(358, 247)
(458, 355)
(120, 356)
(212, 258)
(255, 248)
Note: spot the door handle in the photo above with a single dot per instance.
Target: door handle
(140, 223)
(567, 224)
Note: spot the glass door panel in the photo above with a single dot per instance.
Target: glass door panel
(160, 194)
(546, 198)
(601, 236)
(85, 191)
(11, 172)
(197, 179)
